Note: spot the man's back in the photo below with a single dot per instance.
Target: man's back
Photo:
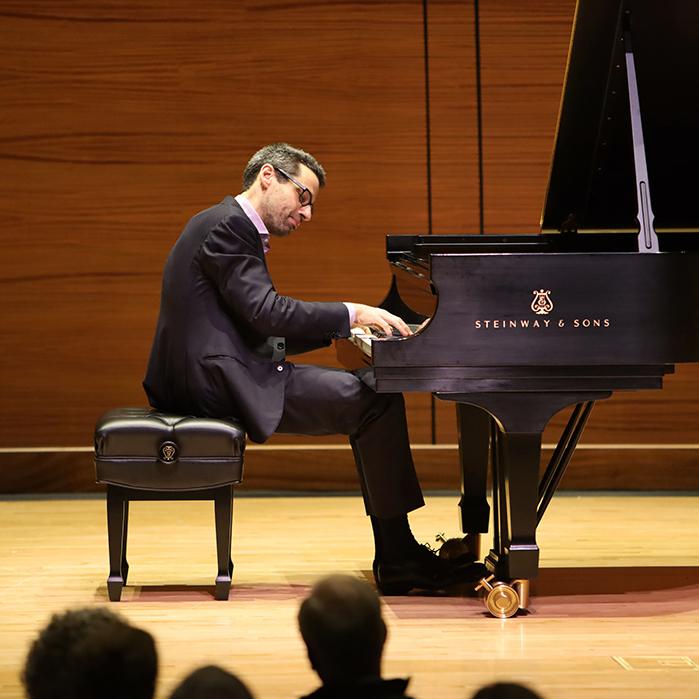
(201, 353)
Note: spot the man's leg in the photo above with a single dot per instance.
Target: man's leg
(320, 400)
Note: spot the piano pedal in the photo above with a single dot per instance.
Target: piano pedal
(459, 549)
(503, 600)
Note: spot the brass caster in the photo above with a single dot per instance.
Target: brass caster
(522, 588)
(501, 599)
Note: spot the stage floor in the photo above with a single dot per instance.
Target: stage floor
(615, 611)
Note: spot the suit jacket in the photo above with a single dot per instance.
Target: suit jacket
(368, 689)
(221, 322)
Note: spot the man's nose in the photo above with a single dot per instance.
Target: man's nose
(306, 212)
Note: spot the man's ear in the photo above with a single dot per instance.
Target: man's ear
(266, 176)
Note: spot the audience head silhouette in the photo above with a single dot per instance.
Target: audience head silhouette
(211, 682)
(87, 653)
(505, 690)
(342, 628)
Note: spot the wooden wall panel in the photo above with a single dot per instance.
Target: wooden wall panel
(121, 121)
(453, 116)
(524, 46)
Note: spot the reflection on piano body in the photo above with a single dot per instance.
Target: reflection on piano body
(522, 326)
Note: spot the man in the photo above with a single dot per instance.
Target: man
(87, 653)
(211, 682)
(223, 336)
(341, 625)
(505, 690)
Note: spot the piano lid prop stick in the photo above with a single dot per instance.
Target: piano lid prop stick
(647, 237)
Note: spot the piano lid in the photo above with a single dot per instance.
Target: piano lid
(592, 174)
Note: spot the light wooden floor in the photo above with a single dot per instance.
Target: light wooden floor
(620, 578)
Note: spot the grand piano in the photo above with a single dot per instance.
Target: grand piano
(515, 328)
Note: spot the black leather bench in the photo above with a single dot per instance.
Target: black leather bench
(143, 454)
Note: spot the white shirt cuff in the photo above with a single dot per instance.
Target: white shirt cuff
(352, 312)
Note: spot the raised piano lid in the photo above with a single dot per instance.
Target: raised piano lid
(592, 181)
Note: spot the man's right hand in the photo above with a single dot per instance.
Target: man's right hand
(378, 318)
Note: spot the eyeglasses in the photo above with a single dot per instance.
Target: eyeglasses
(305, 196)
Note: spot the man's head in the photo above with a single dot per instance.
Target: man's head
(505, 690)
(341, 624)
(87, 653)
(211, 681)
(282, 183)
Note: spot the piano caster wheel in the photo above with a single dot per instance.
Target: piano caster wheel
(522, 588)
(503, 600)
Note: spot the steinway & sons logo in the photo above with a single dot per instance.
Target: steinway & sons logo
(542, 305)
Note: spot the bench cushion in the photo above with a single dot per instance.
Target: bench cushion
(146, 449)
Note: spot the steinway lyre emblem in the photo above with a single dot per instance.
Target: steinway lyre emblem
(542, 304)
(168, 452)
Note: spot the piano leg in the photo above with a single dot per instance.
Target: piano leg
(519, 418)
(498, 506)
(474, 426)
(515, 553)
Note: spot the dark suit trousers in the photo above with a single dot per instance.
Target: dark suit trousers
(320, 400)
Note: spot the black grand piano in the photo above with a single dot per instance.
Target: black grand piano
(606, 298)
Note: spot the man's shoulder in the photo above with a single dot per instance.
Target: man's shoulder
(225, 220)
(373, 689)
(227, 209)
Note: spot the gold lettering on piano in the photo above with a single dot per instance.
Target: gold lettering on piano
(591, 323)
(538, 323)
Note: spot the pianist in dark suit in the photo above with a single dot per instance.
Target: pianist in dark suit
(224, 334)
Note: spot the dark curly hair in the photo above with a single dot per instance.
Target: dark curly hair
(85, 653)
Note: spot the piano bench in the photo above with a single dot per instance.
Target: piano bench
(143, 454)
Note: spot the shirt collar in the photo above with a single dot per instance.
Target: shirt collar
(250, 212)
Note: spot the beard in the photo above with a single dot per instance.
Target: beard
(279, 220)
(281, 224)
(279, 230)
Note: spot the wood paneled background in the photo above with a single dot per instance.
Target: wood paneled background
(121, 120)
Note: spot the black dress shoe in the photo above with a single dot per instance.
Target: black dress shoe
(422, 569)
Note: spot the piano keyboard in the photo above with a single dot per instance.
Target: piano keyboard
(363, 337)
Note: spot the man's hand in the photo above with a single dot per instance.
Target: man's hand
(371, 317)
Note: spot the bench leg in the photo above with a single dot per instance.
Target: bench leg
(117, 524)
(125, 531)
(223, 508)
